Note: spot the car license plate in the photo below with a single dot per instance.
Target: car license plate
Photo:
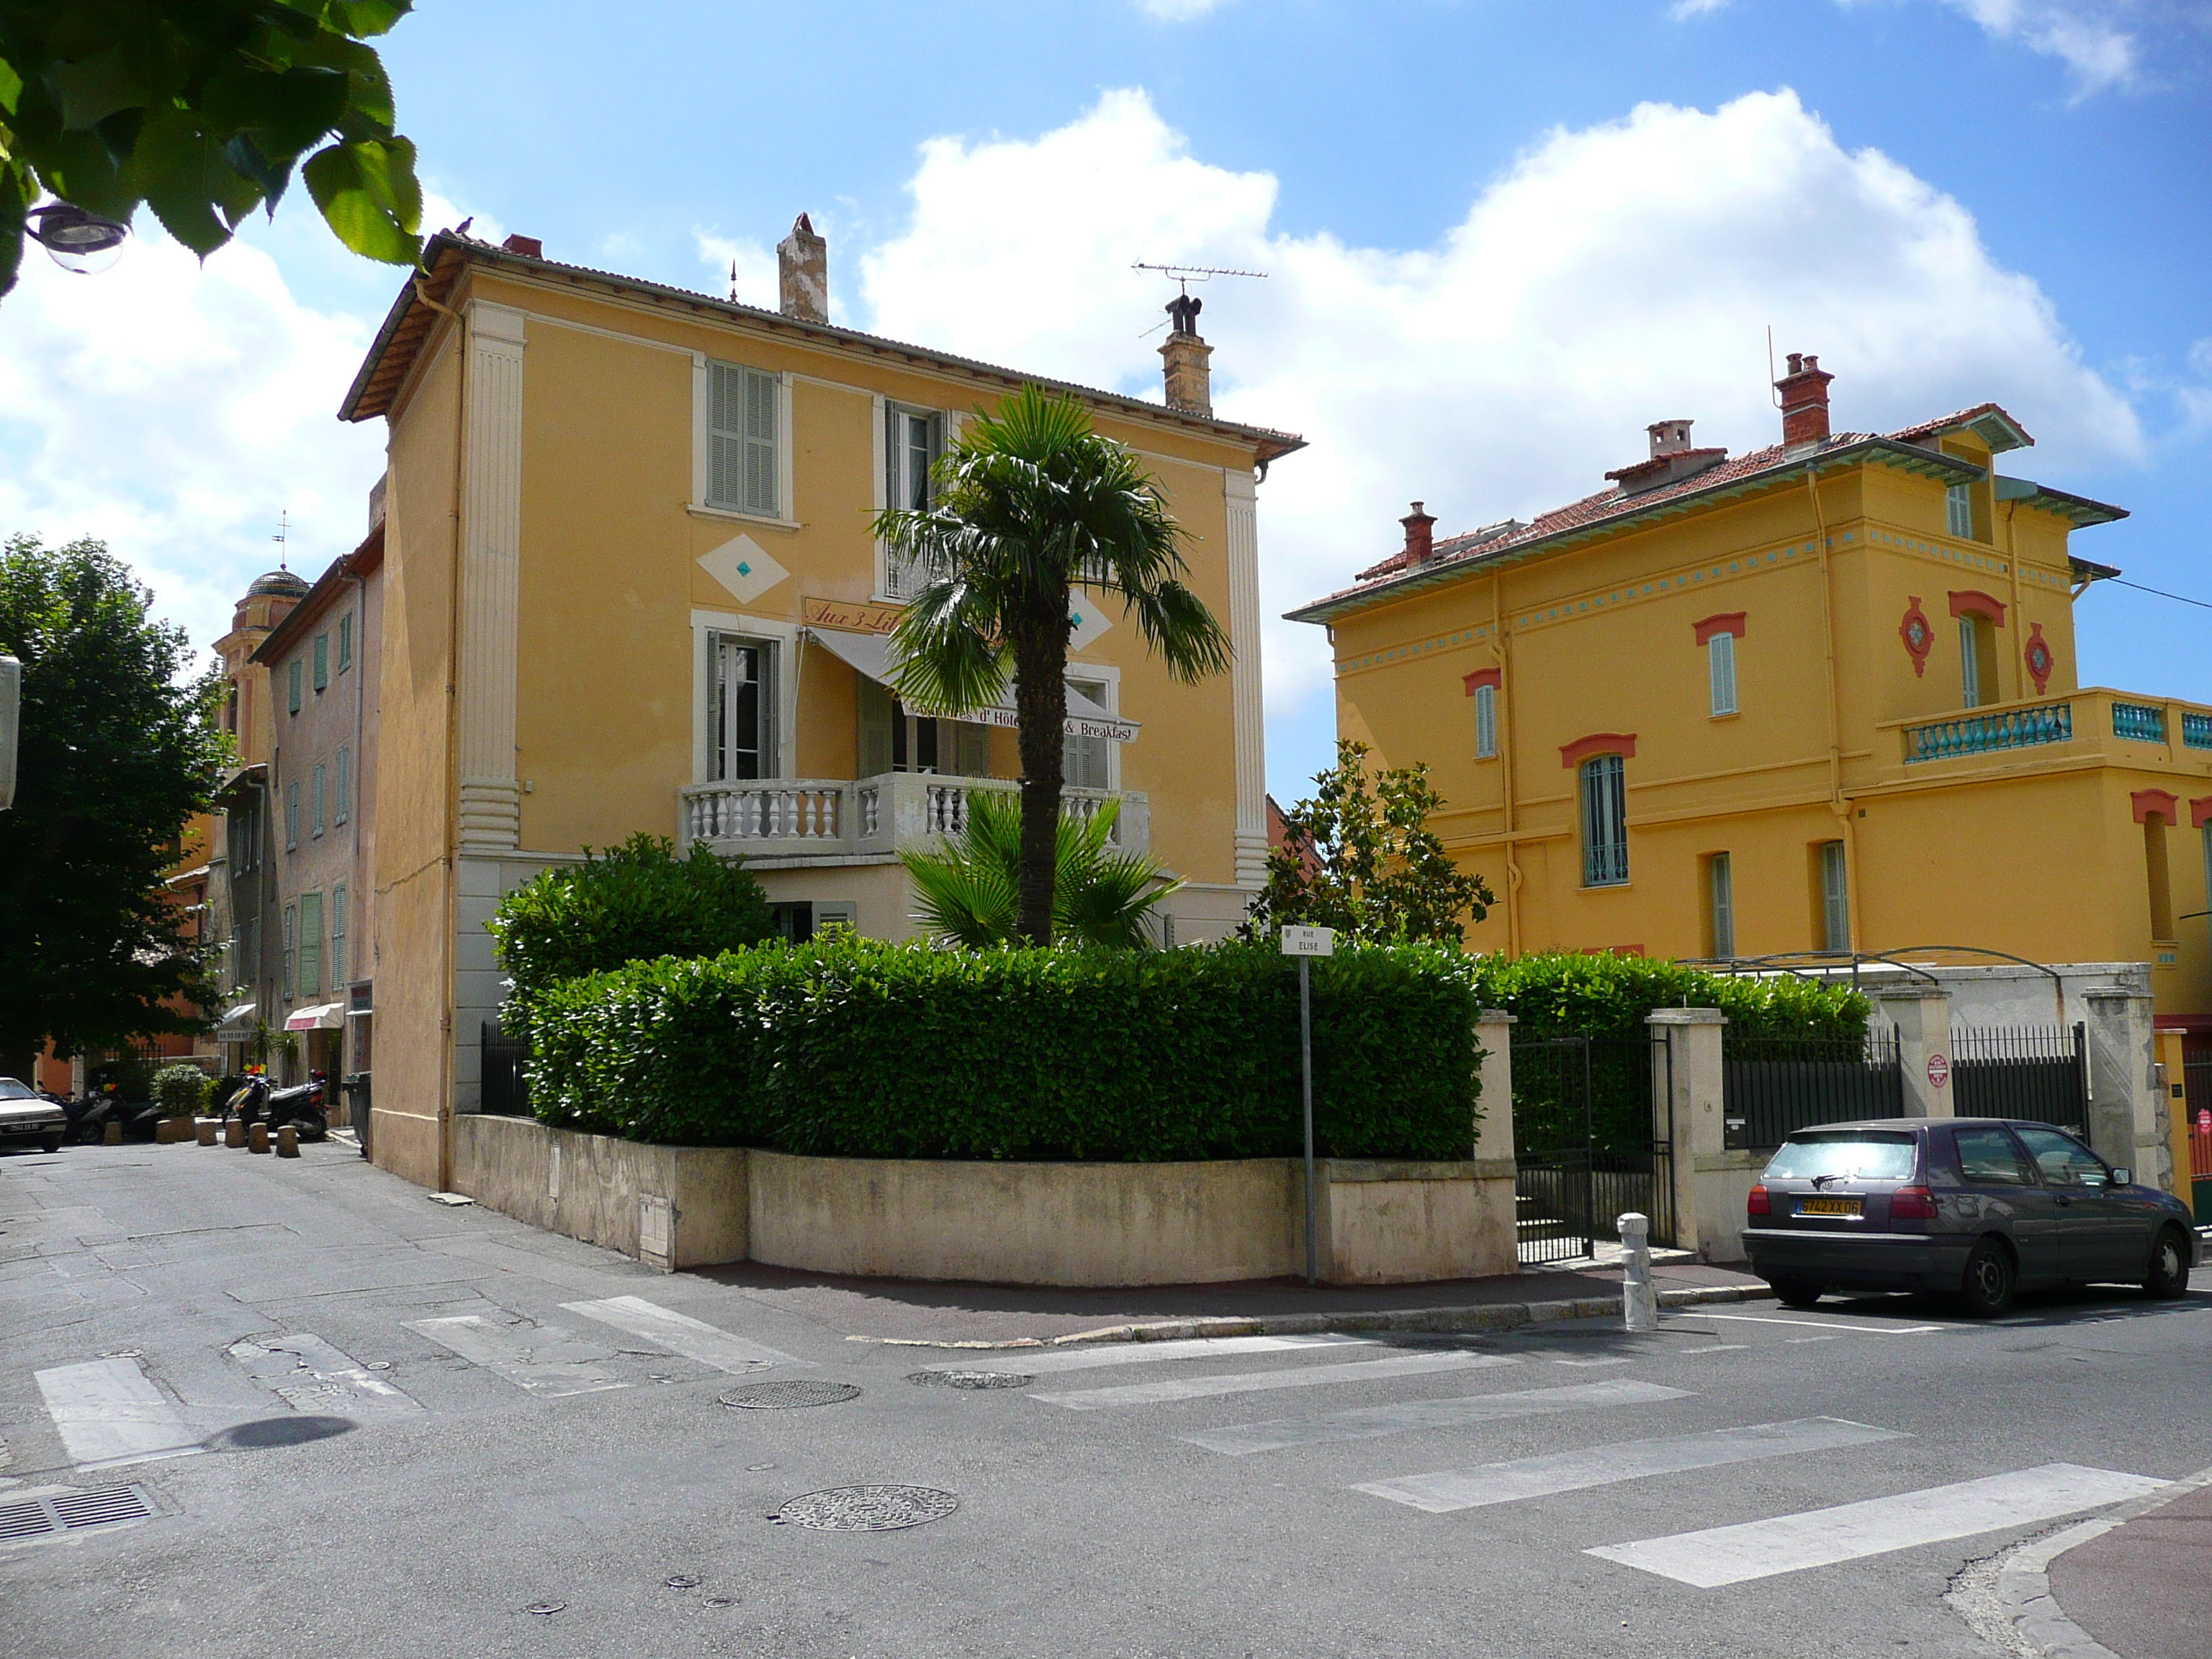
(1851, 1207)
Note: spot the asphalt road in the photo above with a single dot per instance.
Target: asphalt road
(366, 1423)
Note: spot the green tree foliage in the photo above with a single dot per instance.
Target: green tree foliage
(629, 903)
(203, 110)
(118, 749)
(1027, 506)
(1359, 857)
(967, 890)
(851, 1047)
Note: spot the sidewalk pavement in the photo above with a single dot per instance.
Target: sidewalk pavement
(998, 1315)
(2141, 1590)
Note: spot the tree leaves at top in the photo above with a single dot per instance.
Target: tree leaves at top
(203, 110)
(1359, 857)
(118, 749)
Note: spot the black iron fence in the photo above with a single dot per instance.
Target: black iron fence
(506, 1090)
(2035, 1072)
(1588, 1144)
(1771, 1087)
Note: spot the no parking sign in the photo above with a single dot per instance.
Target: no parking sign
(1939, 1070)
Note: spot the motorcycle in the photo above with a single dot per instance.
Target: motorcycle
(299, 1106)
(89, 1114)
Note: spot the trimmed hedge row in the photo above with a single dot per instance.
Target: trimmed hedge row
(855, 1048)
(1559, 993)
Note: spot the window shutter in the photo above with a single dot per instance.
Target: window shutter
(291, 816)
(1720, 653)
(760, 480)
(316, 800)
(725, 438)
(344, 807)
(1969, 663)
(291, 923)
(292, 684)
(874, 747)
(311, 943)
(345, 642)
(1835, 896)
(322, 661)
(1724, 880)
(337, 935)
(1485, 722)
(894, 455)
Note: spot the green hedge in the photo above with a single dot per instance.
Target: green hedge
(1560, 993)
(851, 1047)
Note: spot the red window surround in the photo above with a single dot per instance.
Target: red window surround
(1622, 744)
(1970, 602)
(1729, 622)
(1490, 677)
(2156, 803)
(2199, 811)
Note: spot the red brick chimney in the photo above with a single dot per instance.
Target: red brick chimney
(1420, 539)
(1804, 392)
(528, 246)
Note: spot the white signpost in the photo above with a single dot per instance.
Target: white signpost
(1305, 944)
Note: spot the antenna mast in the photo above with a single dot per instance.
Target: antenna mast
(283, 538)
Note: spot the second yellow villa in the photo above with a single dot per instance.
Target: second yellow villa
(1820, 697)
(632, 585)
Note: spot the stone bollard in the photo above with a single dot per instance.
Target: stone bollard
(114, 1135)
(257, 1138)
(233, 1132)
(1639, 1298)
(206, 1129)
(287, 1142)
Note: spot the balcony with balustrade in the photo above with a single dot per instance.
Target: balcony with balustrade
(2120, 727)
(791, 822)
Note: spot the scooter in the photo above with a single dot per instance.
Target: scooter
(90, 1113)
(301, 1106)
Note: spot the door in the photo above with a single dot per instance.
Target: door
(2001, 1183)
(2103, 1235)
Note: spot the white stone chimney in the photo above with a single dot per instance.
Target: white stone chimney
(802, 271)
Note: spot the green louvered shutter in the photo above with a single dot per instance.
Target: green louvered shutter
(760, 468)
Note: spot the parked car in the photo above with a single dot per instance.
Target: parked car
(1976, 1207)
(26, 1115)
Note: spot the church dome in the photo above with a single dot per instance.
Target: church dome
(277, 583)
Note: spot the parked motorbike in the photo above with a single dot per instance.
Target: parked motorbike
(89, 1114)
(302, 1106)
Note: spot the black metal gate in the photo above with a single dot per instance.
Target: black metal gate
(1586, 1146)
(2036, 1071)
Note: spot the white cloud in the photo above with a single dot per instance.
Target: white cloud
(1179, 12)
(1610, 277)
(2088, 36)
(174, 410)
(743, 269)
(1683, 10)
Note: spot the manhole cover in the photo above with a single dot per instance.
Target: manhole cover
(970, 1379)
(868, 1509)
(779, 1396)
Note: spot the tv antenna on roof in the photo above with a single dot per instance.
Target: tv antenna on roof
(283, 538)
(1182, 310)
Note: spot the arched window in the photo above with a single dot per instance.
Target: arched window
(1605, 822)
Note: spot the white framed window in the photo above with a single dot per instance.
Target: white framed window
(337, 935)
(1088, 762)
(1720, 671)
(742, 706)
(1605, 822)
(745, 470)
(1720, 884)
(342, 805)
(1978, 677)
(1485, 722)
(1958, 511)
(1835, 899)
(912, 441)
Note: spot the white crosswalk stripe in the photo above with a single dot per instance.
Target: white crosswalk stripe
(1877, 1526)
(109, 1412)
(543, 1358)
(1447, 1490)
(309, 1374)
(1306, 1376)
(694, 1339)
(1042, 1362)
(1375, 1422)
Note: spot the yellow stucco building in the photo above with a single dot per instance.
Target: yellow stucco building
(632, 585)
(1822, 696)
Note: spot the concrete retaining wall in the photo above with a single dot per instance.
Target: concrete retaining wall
(992, 1223)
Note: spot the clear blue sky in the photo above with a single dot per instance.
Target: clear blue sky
(1950, 199)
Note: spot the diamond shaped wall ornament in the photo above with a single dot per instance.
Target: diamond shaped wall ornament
(741, 567)
(1087, 611)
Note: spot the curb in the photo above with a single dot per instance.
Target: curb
(2023, 1584)
(1481, 1316)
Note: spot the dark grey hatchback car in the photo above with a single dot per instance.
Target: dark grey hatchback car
(1975, 1207)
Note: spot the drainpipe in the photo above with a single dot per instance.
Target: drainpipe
(360, 680)
(2012, 560)
(1837, 802)
(452, 922)
(1505, 753)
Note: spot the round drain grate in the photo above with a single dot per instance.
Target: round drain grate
(970, 1379)
(780, 1396)
(867, 1509)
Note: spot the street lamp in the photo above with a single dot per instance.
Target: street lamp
(77, 240)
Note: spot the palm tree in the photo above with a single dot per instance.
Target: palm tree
(967, 892)
(1028, 505)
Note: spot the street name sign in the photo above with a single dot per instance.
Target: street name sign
(1309, 941)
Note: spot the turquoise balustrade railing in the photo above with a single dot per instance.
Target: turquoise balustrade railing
(2195, 731)
(1979, 734)
(2140, 721)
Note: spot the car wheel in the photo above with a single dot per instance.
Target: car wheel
(1794, 1293)
(1987, 1287)
(51, 1144)
(2169, 1264)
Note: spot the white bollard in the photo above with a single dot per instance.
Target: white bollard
(1639, 1298)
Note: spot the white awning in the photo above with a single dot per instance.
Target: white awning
(236, 1021)
(874, 656)
(323, 1017)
